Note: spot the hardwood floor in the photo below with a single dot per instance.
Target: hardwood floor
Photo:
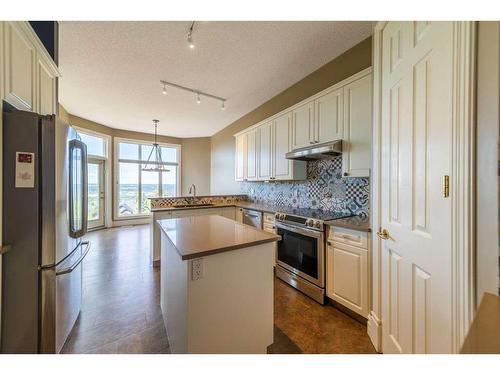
(121, 312)
(120, 308)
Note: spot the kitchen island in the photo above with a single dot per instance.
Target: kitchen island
(216, 285)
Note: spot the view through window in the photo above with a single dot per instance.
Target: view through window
(96, 150)
(135, 186)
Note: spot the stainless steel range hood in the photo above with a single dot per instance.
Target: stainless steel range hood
(317, 151)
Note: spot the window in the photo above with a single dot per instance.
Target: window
(96, 146)
(135, 186)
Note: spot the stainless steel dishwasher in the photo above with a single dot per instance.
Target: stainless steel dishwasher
(253, 218)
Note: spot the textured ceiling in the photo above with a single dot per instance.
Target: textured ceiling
(111, 70)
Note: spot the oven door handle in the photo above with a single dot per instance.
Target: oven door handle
(303, 231)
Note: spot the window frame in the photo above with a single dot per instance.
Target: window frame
(116, 161)
(105, 137)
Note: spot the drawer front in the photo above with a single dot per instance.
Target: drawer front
(269, 227)
(348, 237)
(268, 218)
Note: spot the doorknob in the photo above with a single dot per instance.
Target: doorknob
(384, 234)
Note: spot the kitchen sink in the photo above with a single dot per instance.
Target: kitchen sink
(193, 205)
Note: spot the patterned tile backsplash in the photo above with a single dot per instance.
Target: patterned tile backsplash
(324, 189)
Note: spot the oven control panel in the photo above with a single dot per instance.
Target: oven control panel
(300, 221)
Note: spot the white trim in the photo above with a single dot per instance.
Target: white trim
(463, 172)
(463, 181)
(116, 140)
(108, 214)
(334, 87)
(374, 319)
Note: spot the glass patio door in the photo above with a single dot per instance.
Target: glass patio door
(96, 193)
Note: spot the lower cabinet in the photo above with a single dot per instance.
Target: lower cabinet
(239, 215)
(269, 226)
(347, 271)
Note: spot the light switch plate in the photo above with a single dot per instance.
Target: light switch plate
(197, 269)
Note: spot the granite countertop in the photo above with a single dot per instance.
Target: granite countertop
(198, 236)
(353, 222)
(200, 196)
(483, 336)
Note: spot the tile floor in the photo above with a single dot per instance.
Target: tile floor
(121, 311)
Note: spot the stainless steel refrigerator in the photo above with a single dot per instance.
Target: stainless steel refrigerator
(44, 222)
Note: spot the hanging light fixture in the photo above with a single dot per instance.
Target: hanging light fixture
(154, 163)
(190, 36)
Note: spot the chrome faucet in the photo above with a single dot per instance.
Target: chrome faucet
(192, 190)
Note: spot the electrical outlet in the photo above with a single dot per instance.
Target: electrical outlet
(197, 269)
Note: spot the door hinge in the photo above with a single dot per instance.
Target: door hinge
(446, 186)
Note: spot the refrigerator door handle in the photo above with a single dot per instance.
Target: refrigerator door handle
(78, 261)
(77, 232)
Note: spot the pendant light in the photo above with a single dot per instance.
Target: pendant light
(154, 163)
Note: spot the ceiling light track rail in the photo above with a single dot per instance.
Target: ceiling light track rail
(196, 92)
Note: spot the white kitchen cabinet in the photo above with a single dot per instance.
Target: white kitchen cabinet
(328, 112)
(20, 68)
(347, 271)
(240, 157)
(29, 74)
(303, 125)
(46, 87)
(269, 225)
(264, 158)
(196, 212)
(251, 157)
(239, 215)
(282, 137)
(229, 212)
(357, 139)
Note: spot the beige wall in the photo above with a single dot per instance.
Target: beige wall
(222, 161)
(195, 152)
(196, 165)
(488, 120)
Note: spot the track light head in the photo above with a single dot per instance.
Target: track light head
(164, 91)
(198, 99)
(223, 105)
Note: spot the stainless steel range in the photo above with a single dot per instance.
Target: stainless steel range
(301, 250)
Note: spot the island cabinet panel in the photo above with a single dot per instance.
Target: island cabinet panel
(303, 125)
(229, 212)
(219, 303)
(239, 215)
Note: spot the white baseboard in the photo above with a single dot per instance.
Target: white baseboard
(374, 329)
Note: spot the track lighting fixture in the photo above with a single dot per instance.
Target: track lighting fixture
(190, 36)
(198, 94)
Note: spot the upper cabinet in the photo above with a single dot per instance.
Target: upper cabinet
(357, 140)
(328, 121)
(341, 112)
(303, 133)
(29, 74)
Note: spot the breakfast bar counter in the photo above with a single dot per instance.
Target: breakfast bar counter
(216, 285)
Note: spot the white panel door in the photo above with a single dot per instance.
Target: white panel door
(251, 156)
(264, 157)
(416, 145)
(303, 125)
(357, 140)
(282, 145)
(328, 116)
(240, 156)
